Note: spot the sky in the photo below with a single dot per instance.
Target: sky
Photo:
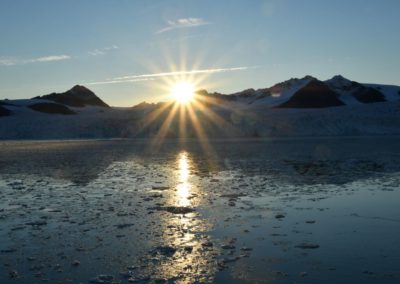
(129, 51)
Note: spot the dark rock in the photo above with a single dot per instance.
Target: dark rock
(126, 225)
(4, 111)
(230, 259)
(307, 246)
(246, 249)
(174, 209)
(51, 108)
(102, 279)
(8, 250)
(155, 187)
(36, 223)
(366, 94)
(139, 278)
(233, 195)
(13, 274)
(229, 246)
(188, 249)
(167, 251)
(126, 274)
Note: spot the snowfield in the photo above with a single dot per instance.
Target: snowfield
(369, 109)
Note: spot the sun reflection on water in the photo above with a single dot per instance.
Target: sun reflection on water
(184, 186)
(183, 234)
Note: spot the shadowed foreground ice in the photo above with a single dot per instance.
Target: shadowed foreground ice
(230, 211)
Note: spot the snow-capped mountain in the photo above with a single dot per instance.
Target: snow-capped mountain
(309, 92)
(72, 101)
(296, 107)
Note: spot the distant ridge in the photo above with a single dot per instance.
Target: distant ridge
(78, 96)
(309, 92)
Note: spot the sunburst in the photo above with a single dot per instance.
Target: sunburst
(183, 92)
(187, 113)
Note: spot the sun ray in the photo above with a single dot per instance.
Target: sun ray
(182, 122)
(162, 132)
(215, 118)
(201, 135)
(153, 115)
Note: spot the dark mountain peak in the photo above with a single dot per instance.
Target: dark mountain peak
(293, 81)
(77, 96)
(144, 105)
(340, 83)
(339, 78)
(308, 77)
(79, 89)
(245, 93)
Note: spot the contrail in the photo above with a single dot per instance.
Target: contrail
(153, 76)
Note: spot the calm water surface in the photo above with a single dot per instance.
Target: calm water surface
(227, 211)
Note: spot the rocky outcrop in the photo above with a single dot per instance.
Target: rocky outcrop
(315, 94)
(367, 95)
(51, 108)
(4, 111)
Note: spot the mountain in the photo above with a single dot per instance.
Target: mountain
(315, 94)
(78, 96)
(295, 107)
(361, 93)
(309, 92)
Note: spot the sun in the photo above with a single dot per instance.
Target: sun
(183, 92)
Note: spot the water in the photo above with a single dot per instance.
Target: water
(228, 211)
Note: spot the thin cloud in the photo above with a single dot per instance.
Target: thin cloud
(7, 61)
(102, 51)
(154, 76)
(49, 58)
(96, 52)
(183, 23)
(117, 81)
(11, 61)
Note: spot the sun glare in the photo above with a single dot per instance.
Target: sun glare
(183, 92)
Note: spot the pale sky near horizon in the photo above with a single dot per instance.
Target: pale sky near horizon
(125, 50)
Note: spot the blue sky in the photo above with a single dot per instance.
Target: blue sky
(119, 48)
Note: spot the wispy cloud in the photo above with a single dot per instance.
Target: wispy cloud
(102, 51)
(49, 58)
(183, 23)
(11, 61)
(154, 76)
(118, 81)
(7, 61)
